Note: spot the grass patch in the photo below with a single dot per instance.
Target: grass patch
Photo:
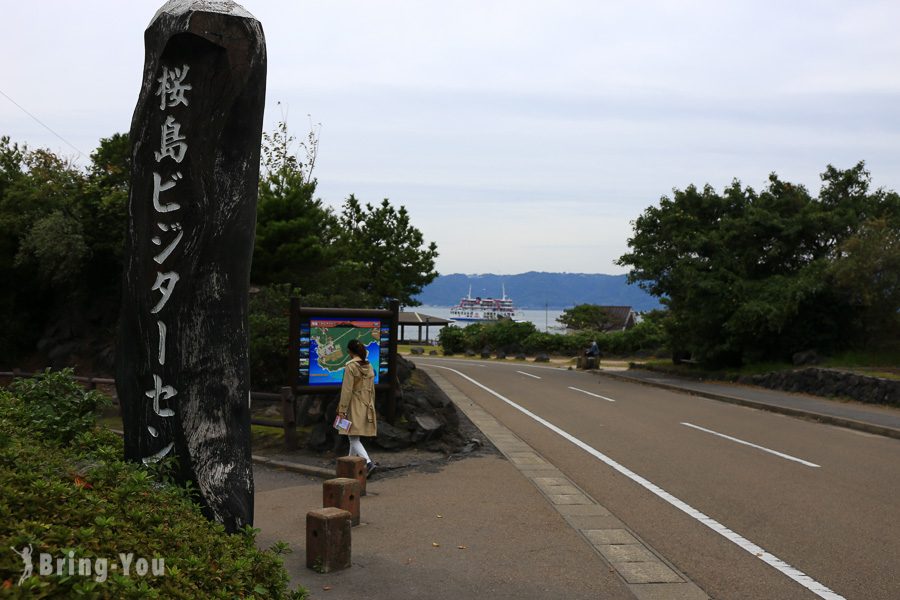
(263, 437)
(406, 349)
(693, 371)
(885, 363)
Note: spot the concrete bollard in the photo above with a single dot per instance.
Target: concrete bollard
(328, 540)
(342, 493)
(353, 467)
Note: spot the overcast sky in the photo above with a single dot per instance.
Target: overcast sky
(520, 135)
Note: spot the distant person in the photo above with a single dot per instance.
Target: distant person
(358, 401)
(594, 349)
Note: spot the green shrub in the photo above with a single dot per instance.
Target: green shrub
(54, 406)
(67, 493)
(649, 335)
(507, 335)
(475, 336)
(540, 341)
(452, 339)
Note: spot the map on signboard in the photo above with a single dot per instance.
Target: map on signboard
(328, 339)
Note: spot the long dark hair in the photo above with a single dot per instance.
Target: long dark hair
(356, 348)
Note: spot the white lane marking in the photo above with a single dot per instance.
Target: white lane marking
(770, 559)
(591, 394)
(529, 374)
(763, 448)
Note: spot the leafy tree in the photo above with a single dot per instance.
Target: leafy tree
(61, 240)
(12, 158)
(39, 214)
(295, 232)
(359, 257)
(56, 250)
(62, 236)
(110, 166)
(585, 316)
(745, 275)
(867, 272)
(386, 254)
(106, 211)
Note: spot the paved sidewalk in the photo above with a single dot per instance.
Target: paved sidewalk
(881, 420)
(475, 529)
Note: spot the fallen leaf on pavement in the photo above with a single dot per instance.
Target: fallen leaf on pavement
(326, 588)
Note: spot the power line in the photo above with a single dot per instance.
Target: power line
(44, 125)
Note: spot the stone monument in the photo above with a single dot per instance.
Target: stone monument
(182, 371)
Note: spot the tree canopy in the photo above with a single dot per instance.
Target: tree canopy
(61, 240)
(585, 317)
(761, 275)
(385, 253)
(360, 256)
(62, 234)
(295, 232)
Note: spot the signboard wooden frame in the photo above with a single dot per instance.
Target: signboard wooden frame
(299, 353)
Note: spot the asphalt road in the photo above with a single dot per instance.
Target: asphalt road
(781, 508)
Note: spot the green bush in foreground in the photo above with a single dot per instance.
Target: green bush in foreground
(67, 493)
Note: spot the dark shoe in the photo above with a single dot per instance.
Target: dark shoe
(370, 466)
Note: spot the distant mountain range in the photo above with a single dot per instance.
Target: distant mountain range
(537, 290)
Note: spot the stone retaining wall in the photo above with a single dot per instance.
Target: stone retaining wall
(828, 382)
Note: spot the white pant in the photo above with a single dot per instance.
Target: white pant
(356, 448)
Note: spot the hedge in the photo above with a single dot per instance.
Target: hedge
(67, 494)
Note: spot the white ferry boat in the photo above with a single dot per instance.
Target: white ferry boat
(485, 309)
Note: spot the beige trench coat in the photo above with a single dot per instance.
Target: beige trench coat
(358, 399)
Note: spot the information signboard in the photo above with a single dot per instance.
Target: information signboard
(319, 338)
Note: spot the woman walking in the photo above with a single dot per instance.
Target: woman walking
(358, 401)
